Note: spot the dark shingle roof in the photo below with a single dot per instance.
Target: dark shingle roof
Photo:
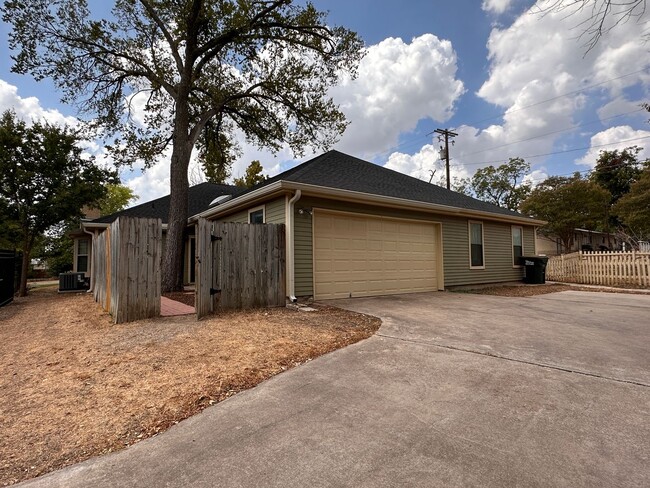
(199, 198)
(335, 169)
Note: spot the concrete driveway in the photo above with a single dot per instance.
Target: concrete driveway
(455, 390)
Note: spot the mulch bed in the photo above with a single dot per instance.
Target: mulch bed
(73, 385)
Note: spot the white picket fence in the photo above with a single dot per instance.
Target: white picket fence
(601, 268)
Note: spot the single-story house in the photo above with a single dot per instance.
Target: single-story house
(199, 199)
(354, 228)
(583, 239)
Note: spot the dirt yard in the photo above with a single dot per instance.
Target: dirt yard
(532, 290)
(73, 385)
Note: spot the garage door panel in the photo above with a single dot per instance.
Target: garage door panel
(364, 256)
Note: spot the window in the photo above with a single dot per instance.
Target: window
(476, 259)
(517, 245)
(82, 255)
(256, 215)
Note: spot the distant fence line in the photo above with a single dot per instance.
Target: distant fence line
(126, 268)
(601, 268)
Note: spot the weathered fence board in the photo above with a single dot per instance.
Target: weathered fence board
(203, 299)
(244, 264)
(126, 268)
(601, 268)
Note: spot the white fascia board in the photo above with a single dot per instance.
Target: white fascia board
(360, 197)
(243, 200)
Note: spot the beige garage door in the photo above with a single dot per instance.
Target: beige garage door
(358, 255)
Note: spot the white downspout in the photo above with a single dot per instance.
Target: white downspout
(289, 218)
(90, 258)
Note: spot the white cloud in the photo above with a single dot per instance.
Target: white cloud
(398, 84)
(614, 137)
(536, 177)
(421, 165)
(29, 109)
(621, 105)
(537, 59)
(152, 183)
(496, 6)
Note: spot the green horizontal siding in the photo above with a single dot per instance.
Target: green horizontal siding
(273, 211)
(497, 239)
(303, 253)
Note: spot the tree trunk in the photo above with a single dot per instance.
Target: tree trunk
(24, 268)
(172, 272)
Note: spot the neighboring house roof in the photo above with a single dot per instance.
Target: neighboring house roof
(338, 171)
(199, 198)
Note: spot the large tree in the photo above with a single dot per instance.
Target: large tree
(502, 185)
(597, 17)
(616, 170)
(254, 175)
(567, 203)
(259, 68)
(57, 246)
(633, 209)
(44, 180)
(117, 198)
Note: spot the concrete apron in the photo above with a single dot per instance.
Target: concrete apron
(398, 411)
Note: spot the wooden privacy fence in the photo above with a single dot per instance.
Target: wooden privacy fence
(126, 268)
(7, 275)
(601, 268)
(239, 266)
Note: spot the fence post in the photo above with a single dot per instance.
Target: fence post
(204, 263)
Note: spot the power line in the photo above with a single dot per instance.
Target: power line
(574, 92)
(553, 132)
(556, 152)
(419, 138)
(580, 172)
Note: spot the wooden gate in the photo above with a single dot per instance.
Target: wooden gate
(239, 266)
(7, 277)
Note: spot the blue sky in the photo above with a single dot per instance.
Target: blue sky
(512, 84)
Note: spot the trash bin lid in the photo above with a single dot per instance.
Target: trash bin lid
(536, 259)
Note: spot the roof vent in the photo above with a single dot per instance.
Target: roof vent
(220, 199)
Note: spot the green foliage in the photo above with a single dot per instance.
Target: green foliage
(616, 171)
(567, 203)
(462, 185)
(216, 154)
(261, 69)
(57, 249)
(44, 180)
(501, 185)
(117, 198)
(253, 175)
(633, 209)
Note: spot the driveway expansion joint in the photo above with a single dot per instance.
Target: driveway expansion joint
(506, 358)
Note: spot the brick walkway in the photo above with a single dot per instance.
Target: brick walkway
(170, 308)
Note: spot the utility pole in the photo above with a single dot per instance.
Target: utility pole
(444, 153)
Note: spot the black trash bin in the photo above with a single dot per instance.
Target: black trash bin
(535, 269)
